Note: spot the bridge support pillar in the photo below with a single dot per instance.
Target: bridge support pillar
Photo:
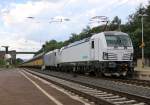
(13, 56)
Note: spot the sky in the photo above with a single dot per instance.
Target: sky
(21, 33)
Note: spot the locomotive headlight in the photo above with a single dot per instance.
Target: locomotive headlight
(105, 56)
(131, 56)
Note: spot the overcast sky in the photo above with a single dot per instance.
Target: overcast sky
(25, 34)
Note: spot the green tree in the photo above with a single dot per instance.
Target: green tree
(133, 27)
(115, 24)
(19, 61)
(2, 62)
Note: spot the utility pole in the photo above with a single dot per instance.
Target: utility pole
(142, 44)
(43, 48)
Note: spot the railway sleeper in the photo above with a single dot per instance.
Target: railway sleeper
(126, 102)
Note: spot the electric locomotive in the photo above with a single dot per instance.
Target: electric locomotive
(108, 53)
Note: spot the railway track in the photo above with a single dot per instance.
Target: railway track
(144, 83)
(101, 96)
(136, 82)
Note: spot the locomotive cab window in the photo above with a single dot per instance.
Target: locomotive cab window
(92, 45)
(118, 40)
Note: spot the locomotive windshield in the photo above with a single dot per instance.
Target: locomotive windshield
(118, 40)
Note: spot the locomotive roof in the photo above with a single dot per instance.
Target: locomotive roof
(108, 33)
(53, 51)
(95, 35)
(76, 43)
(114, 33)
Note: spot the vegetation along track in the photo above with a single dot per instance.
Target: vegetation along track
(98, 94)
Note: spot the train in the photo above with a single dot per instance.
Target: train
(109, 53)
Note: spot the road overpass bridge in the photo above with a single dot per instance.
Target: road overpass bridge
(13, 54)
(25, 52)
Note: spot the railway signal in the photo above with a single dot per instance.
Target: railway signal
(142, 45)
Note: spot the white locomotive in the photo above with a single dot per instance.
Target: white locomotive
(108, 53)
